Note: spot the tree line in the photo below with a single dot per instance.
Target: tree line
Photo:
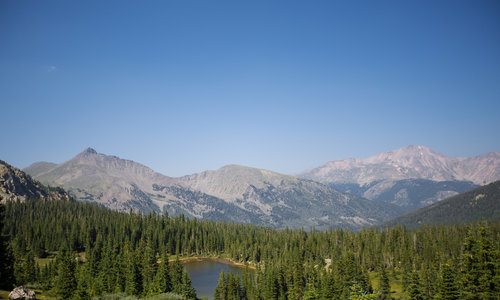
(100, 251)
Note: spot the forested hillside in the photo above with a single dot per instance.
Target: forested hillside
(127, 253)
(482, 203)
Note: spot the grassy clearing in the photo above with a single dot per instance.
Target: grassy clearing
(122, 296)
(395, 283)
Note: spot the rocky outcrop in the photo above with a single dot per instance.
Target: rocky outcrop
(22, 293)
(17, 185)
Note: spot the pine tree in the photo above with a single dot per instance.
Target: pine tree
(385, 288)
(82, 287)
(162, 282)
(187, 289)
(233, 287)
(310, 293)
(149, 267)
(470, 268)
(6, 258)
(488, 263)
(298, 285)
(66, 282)
(220, 292)
(133, 278)
(176, 273)
(29, 268)
(415, 289)
(447, 288)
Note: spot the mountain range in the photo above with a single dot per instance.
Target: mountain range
(394, 182)
(232, 193)
(411, 177)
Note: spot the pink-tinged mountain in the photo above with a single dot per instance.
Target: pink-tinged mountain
(395, 176)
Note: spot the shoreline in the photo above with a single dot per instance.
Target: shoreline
(217, 259)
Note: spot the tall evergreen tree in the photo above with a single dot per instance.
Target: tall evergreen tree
(488, 264)
(385, 288)
(470, 268)
(415, 287)
(162, 282)
(29, 268)
(65, 282)
(133, 279)
(448, 288)
(149, 267)
(6, 258)
(187, 289)
(220, 292)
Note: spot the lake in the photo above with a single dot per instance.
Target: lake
(205, 274)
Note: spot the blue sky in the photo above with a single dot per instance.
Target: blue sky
(186, 86)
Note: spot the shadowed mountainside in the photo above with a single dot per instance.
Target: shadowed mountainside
(482, 203)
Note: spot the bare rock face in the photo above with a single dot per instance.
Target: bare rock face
(17, 185)
(22, 293)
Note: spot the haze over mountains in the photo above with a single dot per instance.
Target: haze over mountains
(410, 177)
(232, 193)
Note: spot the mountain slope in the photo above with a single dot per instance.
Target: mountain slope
(410, 194)
(124, 184)
(284, 200)
(17, 185)
(39, 168)
(232, 193)
(482, 203)
(379, 174)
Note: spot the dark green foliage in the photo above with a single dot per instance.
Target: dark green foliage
(220, 292)
(127, 253)
(6, 258)
(176, 273)
(29, 269)
(229, 288)
(480, 266)
(65, 281)
(385, 288)
(187, 291)
(448, 287)
(415, 288)
(162, 282)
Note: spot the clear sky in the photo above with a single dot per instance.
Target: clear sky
(186, 86)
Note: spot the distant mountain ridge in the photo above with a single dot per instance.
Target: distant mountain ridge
(283, 198)
(232, 193)
(407, 175)
(482, 203)
(411, 162)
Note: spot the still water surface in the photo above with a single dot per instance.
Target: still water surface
(205, 275)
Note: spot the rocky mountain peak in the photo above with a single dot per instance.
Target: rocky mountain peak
(410, 162)
(89, 151)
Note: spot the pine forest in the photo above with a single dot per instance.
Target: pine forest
(75, 250)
